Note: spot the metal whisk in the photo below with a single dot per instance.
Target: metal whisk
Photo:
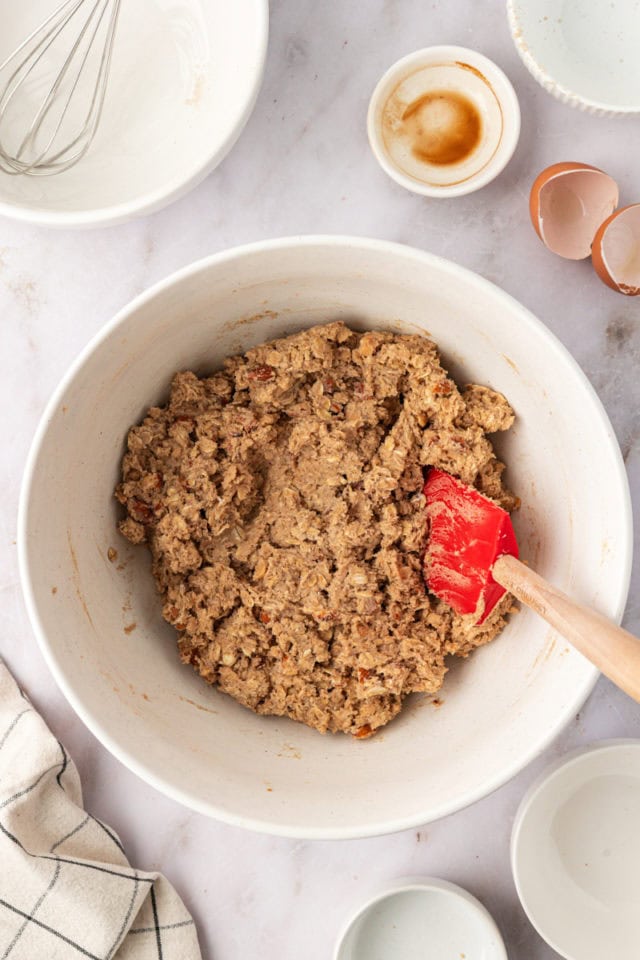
(52, 99)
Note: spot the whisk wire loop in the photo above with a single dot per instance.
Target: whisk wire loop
(41, 151)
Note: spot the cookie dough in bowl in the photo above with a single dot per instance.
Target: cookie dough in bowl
(102, 630)
(282, 500)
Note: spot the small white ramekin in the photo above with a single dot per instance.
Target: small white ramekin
(470, 65)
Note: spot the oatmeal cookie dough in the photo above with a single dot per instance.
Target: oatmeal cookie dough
(281, 499)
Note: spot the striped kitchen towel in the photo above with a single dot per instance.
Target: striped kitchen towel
(67, 890)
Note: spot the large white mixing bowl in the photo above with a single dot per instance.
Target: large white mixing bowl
(500, 708)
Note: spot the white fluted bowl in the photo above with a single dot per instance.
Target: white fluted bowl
(584, 54)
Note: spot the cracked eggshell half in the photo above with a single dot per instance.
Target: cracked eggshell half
(616, 251)
(568, 202)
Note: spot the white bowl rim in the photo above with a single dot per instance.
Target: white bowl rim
(152, 202)
(554, 769)
(424, 884)
(553, 86)
(84, 710)
(509, 104)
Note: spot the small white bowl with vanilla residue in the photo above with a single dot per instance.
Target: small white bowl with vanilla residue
(443, 121)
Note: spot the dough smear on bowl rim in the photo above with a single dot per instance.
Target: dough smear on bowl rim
(281, 498)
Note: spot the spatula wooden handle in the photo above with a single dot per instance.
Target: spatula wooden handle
(614, 651)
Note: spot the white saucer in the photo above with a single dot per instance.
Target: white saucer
(412, 915)
(575, 852)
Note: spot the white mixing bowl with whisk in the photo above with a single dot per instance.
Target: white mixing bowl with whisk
(183, 80)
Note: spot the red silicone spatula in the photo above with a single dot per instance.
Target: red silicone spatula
(472, 559)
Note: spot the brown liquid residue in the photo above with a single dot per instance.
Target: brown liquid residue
(198, 706)
(443, 127)
(76, 578)
(474, 70)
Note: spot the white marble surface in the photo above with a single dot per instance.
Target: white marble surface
(303, 165)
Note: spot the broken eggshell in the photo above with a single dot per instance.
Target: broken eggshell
(616, 250)
(568, 202)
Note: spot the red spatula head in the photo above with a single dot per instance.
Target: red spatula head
(467, 534)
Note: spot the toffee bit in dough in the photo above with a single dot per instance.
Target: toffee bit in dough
(281, 499)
